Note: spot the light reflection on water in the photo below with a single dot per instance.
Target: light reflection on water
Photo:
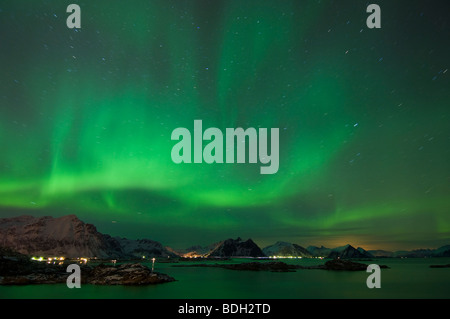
(406, 278)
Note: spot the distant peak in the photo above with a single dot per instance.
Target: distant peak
(348, 246)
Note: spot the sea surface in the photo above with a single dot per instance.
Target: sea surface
(406, 278)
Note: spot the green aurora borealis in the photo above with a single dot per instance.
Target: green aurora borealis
(86, 118)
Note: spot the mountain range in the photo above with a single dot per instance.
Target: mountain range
(443, 251)
(70, 237)
(347, 251)
(284, 249)
(236, 248)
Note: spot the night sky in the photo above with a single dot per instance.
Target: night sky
(86, 117)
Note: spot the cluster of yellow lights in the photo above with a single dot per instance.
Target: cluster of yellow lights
(55, 259)
(193, 255)
(49, 259)
(83, 260)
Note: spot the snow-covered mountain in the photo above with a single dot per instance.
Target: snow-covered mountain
(47, 236)
(143, 247)
(69, 237)
(318, 251)
(284, 249)
(236, 248)
(348, 251)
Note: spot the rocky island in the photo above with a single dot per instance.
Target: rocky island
(17, 270)
(344, 264)
(125, 274)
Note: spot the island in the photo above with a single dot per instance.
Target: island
(440, 266)
(17, 271)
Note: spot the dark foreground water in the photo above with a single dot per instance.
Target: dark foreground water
(407, 278)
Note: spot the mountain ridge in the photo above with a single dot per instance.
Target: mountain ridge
(70, 237)
(236, 248)
(285, 249)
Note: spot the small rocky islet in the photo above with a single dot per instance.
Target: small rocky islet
(440, 266)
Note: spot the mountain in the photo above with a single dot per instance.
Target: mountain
(348, 251)
(197, 250)
(420, 253)
(443, 251)
(363, 251)
(143, 247)
(236, 248)
(70, 237)
(64, 236)
(173, 251)
(284, 249)
(318, 251)
(202, 250)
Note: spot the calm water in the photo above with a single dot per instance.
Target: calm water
(407, 278)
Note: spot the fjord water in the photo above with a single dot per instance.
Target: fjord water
(406, 278)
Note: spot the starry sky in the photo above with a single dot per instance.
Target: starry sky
(86, 117)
